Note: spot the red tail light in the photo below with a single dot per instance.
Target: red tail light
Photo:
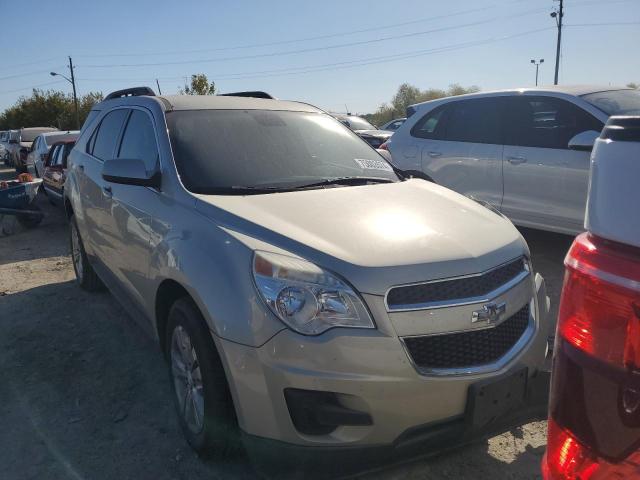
(600, 304)
(384, 146)
(567, 458)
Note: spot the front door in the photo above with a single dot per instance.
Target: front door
(545, 183)
(131, 208)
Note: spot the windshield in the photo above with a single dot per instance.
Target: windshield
(223, 149)
(616, 102)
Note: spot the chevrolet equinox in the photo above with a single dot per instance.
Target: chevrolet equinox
(304, 293)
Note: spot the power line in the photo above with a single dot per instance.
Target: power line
(322, 48)
(605, 24)
(26, 74)
(299, 40)
(32, 87)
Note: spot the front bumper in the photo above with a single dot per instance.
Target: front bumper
(371, 372)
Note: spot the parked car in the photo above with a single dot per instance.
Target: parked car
(365, 130)
(12, 144)
(393, 125)
(4, 141)
(304, 294)
(42, 145)
(21, 149)
(524, 151)
(594, 412)
(55, 170)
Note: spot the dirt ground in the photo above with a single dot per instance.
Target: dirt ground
(84, 394)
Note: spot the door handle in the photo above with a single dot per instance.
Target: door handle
(435, 154)
(516, 160)
(106, 190)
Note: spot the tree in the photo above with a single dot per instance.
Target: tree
(47, 108)
(633, 85)
(199, 86)
(408, 94)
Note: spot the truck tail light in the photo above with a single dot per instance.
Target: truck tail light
(600, 303)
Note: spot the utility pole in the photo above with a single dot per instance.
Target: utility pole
(75, 96)
(537, 66)
(158, 84)
(558, 16)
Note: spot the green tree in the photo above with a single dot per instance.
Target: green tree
(47, 108)
(408, 94)
(199, 86)
(633, 85)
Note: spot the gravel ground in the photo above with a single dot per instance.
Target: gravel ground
(85, 394)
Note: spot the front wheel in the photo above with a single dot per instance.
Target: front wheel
(201, 392)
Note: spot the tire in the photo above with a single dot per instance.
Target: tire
(86, 276)
(199, 383)
(30, 221)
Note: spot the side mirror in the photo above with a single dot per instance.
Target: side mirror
(129, 172)
(584, 141)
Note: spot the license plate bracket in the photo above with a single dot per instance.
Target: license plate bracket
(492, 399)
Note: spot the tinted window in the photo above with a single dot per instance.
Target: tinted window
(473, 121)
(545, 122)
(139, 140)
(104, 141)
(429, 125)
(216, 150)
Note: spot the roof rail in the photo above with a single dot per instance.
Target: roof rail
(254, 94)
(131, 92)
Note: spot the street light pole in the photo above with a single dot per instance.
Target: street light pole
(537, 66)
(72, 81)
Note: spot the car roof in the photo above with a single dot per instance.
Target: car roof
(575, 90)
(213, 102)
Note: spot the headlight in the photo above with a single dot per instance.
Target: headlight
(305, 297)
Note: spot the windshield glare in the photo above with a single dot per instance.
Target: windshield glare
(616, 102)
(358, 123)
(222, 149)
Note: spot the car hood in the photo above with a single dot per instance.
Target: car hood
(375, 133)
(376, 235)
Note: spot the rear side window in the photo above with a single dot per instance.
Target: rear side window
(53, 155)
(103, 142)
(473, 121)
(545, 122)
(139, 140)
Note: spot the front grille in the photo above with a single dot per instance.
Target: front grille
(455, 289)
(468, 349)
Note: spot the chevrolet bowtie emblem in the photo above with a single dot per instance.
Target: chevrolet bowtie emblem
(490, 313)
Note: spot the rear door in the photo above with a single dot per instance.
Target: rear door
(462, 147)
(545, 183)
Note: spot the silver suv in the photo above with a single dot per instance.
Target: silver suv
(304, 294)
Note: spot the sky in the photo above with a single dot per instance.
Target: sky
(335, 54)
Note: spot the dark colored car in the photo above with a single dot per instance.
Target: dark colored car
(55, 171)
(365, 130)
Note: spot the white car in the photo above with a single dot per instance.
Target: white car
(40, 149)
(524, 151)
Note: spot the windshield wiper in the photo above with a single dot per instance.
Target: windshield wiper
(241, 190)
(326, 182)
